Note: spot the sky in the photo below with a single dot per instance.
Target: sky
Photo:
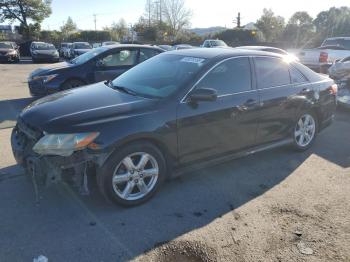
(205, 13)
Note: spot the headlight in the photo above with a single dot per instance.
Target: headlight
(13, 52)
(35, 52)
(45, 79)
(63, 144)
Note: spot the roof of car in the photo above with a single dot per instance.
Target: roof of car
(130, 46)
(209, 53)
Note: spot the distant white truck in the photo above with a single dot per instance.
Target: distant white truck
(321, 58)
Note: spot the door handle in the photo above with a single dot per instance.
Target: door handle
(250, 102)
(305, 90)
(247, 104)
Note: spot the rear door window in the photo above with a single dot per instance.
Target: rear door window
(296, 76)
(146, 53)
(271, 72)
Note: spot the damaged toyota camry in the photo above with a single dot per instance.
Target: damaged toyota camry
(175, 112)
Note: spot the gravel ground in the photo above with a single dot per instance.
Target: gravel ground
(278, 205)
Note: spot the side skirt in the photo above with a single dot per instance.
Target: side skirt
(215, 161)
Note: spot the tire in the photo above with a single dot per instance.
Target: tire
(305, 131)
(73, 83)
(117, 192)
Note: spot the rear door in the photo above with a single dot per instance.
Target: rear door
(114, 63)
(228, 124)
(276, 92)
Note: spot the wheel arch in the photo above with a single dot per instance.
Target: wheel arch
(170, 159)
(71, 79)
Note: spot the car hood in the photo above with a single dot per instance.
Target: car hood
(50, 68)
(83, 109)
(6, 49)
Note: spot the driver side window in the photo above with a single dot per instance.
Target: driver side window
(230, 77)
(121, 58)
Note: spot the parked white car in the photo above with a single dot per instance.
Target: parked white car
(321, 58)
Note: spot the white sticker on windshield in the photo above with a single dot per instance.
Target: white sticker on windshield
(194, 60)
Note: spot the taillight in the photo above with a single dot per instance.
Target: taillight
(333, 89)
(323, 57)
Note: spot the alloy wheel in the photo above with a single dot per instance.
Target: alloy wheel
(135, 176)
(305, 130)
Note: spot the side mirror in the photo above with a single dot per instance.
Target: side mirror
(203, 94)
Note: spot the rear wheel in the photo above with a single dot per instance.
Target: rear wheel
(305, 131)
(132, 175)
(73, 83)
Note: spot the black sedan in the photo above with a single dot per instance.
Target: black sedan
(103, 63)
(180, 109)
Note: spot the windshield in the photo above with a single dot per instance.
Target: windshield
(82, 46)
(161, 75)
(5, 45)
(218, 43)
(88, 55)
(337, 42)
(44, 46)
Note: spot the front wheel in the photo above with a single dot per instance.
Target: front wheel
(305, 131)
(133, 174)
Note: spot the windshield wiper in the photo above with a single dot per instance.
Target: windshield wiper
(120, 88)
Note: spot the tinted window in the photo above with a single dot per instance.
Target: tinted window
(229, 77)
(121, 58)
(271, 72)
(161, 75)
(81, 46)
(88, 56)
(146, 53)
(5, 45)
(296, 76)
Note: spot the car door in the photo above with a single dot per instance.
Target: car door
(276, 91)
(207, 129)
(114, 63)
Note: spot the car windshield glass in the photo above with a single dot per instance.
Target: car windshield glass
(161, 75)
(88, 55)
(218, 43)
(337, 42)
(44, 47)
(5, 45)
(82, 46)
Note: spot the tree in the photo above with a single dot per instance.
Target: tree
(25, 11)
(300, 29)
(69, 27)
(176, 15)
(118, 30)
(271, 26)
(334, 22)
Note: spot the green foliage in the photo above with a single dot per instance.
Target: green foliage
(25, 11)
(299, 31)
(69, 27)
(331, 23)
(271, 26)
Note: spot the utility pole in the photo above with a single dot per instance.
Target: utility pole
(95, 21)
(160, 11)
(149, 12)
(239, 20)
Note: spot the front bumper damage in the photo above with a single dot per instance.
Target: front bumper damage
(47, 170)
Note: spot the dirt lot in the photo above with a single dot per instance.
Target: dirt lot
(273, 206)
